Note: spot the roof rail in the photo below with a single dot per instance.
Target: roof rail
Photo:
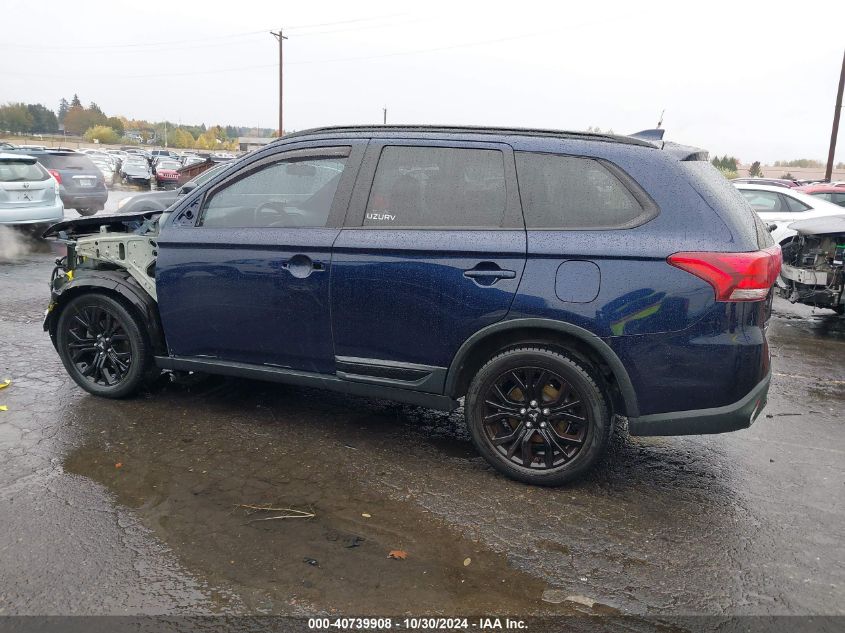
(469, 129)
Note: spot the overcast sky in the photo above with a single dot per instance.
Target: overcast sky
(755, 79)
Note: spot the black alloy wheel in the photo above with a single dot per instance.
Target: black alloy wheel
(98, 345)
(103, 346)
(538, 416)
(535, 418)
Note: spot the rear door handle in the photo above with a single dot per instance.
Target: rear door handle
(488, 273)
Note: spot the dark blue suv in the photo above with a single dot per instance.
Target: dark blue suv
(552, 279)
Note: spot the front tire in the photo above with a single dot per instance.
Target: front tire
(87, 211)
(103, 346)
(537, 416)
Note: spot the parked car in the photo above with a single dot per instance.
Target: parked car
(550, 278)
(163, 198)
(775, 182)
(166, 172)
(136, 170)
(814, 263)
(830, 193)
(28, 193)
(781, 207)
(81, 184)
(106, 167)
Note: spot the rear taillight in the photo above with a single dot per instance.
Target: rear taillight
(55, 174)
(734, 276)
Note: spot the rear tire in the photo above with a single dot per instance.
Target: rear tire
(103, 346)
(537, 416)
(87, 211)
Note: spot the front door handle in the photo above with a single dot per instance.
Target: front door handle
(301, 266)
(488, 273)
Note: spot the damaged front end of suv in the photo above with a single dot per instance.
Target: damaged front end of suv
(115, 255)
(813, 270)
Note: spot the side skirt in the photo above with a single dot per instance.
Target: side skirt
(307, 379)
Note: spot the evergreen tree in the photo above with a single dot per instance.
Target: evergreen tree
(75, 102)
(64, 106)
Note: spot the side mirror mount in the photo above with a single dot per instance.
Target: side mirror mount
(771, 226)
(187, 188)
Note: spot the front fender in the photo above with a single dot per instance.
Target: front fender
(112, 282)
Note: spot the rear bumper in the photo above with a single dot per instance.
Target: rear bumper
(87, 199)
(731, 417)
(33, 215)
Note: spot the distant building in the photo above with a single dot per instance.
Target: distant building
(249, 143)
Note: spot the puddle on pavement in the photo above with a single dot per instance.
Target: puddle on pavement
(185, 477)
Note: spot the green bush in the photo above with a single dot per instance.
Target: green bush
(101, 133)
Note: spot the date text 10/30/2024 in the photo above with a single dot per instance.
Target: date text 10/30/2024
(417, 624)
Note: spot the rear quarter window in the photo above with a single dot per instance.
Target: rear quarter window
(725, 198)
(578, 193)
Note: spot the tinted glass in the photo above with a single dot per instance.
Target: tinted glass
(796, 205)
(568, 192)
(20, 171)
(66, 161)
(839, 198)
(437, 187)
(824, 195)
(292, 193)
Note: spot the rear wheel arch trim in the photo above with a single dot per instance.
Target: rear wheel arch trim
(601, 348)
(115, 284)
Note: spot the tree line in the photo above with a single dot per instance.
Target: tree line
(94, 125)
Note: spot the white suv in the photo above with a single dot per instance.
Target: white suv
(28, 193)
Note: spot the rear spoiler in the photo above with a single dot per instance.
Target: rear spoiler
(681, 152)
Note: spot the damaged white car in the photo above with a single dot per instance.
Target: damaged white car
(813, 263)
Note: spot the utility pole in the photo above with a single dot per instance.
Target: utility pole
(828, 174)
(281, 39)
(384, 111)
(165, 132)
(660, 122)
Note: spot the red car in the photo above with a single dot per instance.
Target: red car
(831, 193)
(167, 172)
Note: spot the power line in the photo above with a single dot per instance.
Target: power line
(132, 45)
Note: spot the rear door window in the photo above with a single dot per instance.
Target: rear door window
(573, 192)
(765, 201)
(430, 187)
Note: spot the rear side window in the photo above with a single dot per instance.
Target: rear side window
(571, 192)
(21, 171)
(427, 187)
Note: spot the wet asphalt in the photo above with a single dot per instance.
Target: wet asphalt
(141, 506)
